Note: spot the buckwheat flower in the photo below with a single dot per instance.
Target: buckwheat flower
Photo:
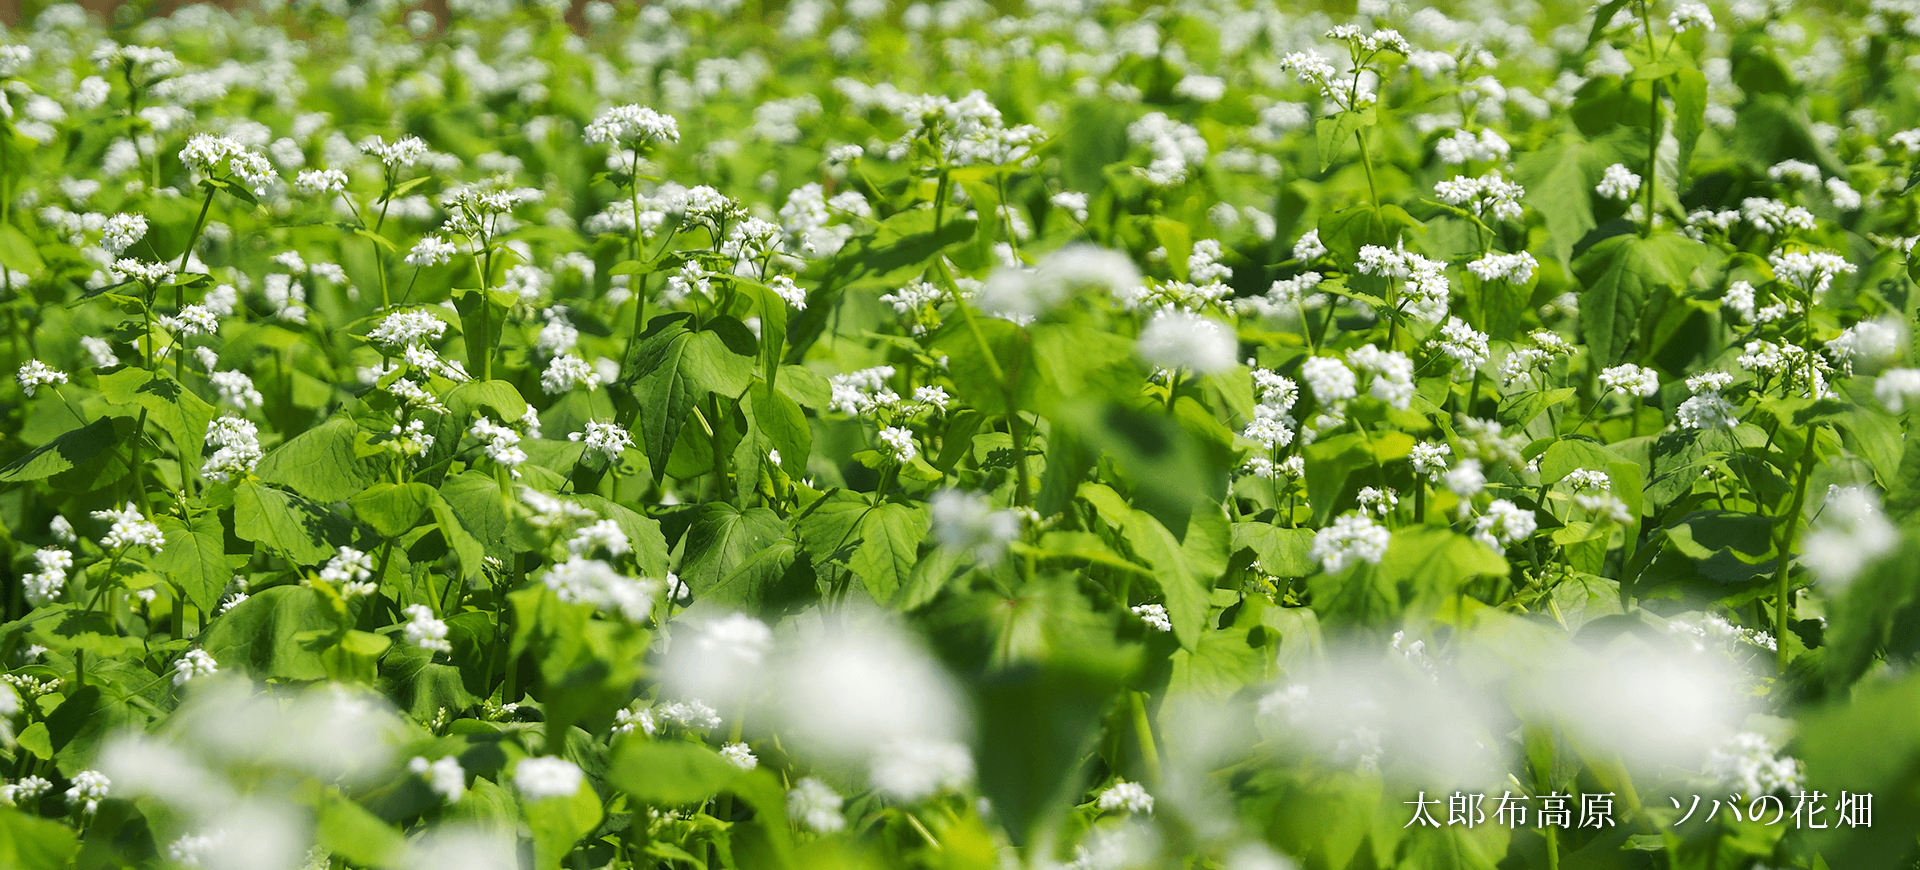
(1392, 374)
(502, 444)
(1811, 271)
(1154, 615)
(1377, 500)
(1750, 764)
(1618, 182)
(121, 231)
(1870, 343)
(899, 443)
(1504, 524)
(567, 372)
(236, 390)
(1184, 340)
(1466, 345)
(783, 287)
(689, 280)
(1516, 269)
(1073, 202)
(816, 805)
(406, 328)
(543, 777)
(1844, 197)
(192, 320)
(149, 273)
(913, 770)
(603, 535)
(1329, 379)
(444, 777)
(1351, 538)
(1466, 479)
(1687, 16)
(606, 439)
(431, 251)
(43, 587)
(100, 350)
(1309, 247)
(28, 788)
(196, 663)
(399, 153)
(1462, 146)
(1429, 458)
(1125, 796)
(36, 373)
(89, 789)
(1631, 380)
(130, 529)
(1708, 410)
(317, 181)
(347, 566)
(424, 631)
(739, 755)
(966, 522)
(238, 449)
(1850, 534)
(632, 124)
(1896, 387)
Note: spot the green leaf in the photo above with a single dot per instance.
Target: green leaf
(17, 252)
(1622, 274)
(351, 832)
(1282, 552)
(30, 843)
(680, 368)
(321, 463)
(722, 538)
(1689, 88)
(1332, 133)
(1558, 188)
(559, 822)
(176, 409)
(669, 773)
(262, 635)
(901, 249)
(472, 556)
(1346, 231)
(393, 508)
(890, 544)
(195, 558)
(1035, 724)
(1603, 16)
(499, 396)
(68, 451)
(1434, 563)
(299, 529)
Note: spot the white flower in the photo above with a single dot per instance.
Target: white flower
(424, 631)
(1154, 615)
(1392, 374)
(1747, 763)
(633, 124)
(1429, 458)
(347, 566)
(1707, 410)
(445, 777)
(606, 439)
(739, 755)
(1184, 340)
(1351, 538)
(603, 535)
(89, 789)
(591, 581)
(899, 443)
(913, 770)
(503, 444)
(1811, 271)
(130, 528)
(1126, 796)
(407, 328)
(1504, 524)
(401, 152)
(816, 805)
(566, 372)
(317, 181)
(1329, 379)
(431, 251)
(238, 448)
(1896, 387)
(236, 390)
(1309, 246)
(1687, 16)
(1618, 182)
(542, 777)
(122, 230)
(1631, 380)
(1467, 479)
(783, 287)
(1850, 534)
(966, 522)
(196, 663)
(1466, 345)
(1516, 269)
(36, 373)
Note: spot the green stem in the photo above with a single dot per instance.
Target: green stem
(193, 238)
(1366, 162)
(1143, 732)
(1783, 595)
(1653, 120)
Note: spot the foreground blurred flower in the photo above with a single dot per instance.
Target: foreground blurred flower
(543, 777)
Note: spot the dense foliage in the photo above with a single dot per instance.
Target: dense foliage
(965, 435)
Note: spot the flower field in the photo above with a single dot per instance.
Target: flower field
(1060, 434)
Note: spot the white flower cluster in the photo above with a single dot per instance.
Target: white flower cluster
(210, 154)
(425, 631)
(1504, 524)
(35, 374)
(502, 444)
(591, 581)
(1176, 148)
(1707, 408)
(967, 522)
(1749, 763)
(1392, 373)
(1427, 289)
(1849, 535)
(1489, 194)
(1351, 538)
(44, 586)
(1183, 340)
(1464, 344)
(194, 664)
(1618, 182)
(1811, 271)
(632, 124)
(130, 529)
(238, 443)
(1463, 147)
(352, 571)
(544, 777)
